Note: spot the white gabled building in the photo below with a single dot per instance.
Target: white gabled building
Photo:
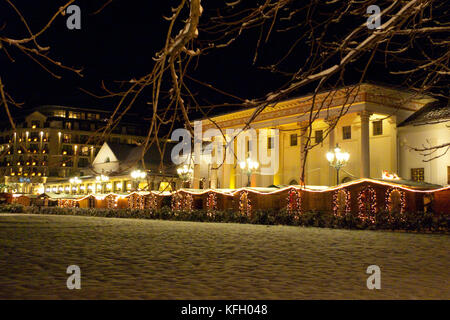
(428, 127)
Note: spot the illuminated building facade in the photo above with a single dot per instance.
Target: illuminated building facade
(57, 142)
(367, 129)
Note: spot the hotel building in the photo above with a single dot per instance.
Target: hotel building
(57, 142)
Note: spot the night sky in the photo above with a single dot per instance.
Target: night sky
(118, 44)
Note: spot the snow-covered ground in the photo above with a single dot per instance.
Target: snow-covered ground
(144, 259)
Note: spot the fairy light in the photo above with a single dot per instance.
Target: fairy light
(294, 203)
(177, 203)
(151, 202)
(211, 204)
(341, 186)
(389, 202)
(337, 210)
(245, 206)
(367, 197)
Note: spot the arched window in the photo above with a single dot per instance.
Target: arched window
(107, 160)
(293, 182)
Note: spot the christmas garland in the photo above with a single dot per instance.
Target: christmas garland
(389, 203)
(294, 203)
(182, 203)
(111, 201)
(188, 203)
(177, 203)
(337, 211)
(151, 202)
(135, 201)
(245, 206)
(211, 204)
(66, 203)
(367, 197)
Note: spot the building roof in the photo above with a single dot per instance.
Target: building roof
(433, 112)
(129, 154)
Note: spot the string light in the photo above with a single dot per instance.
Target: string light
(211, 204)
(337, 195)
(367, 205)
(245, 206)
(294, 203)
(390, 205)
(341, 186)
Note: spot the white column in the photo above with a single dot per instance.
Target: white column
(365, 146)
(213, 177)
(196, 177)
(331, 146)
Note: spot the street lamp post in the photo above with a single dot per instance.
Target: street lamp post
(249, 166)
(337, 160)
(185, 173)
(137, 175)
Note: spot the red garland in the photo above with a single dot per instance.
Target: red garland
(245, 206)
(367, 197)
(150, 202)
(211, 204)
(347, 208)
(389, 204)
(294, 203)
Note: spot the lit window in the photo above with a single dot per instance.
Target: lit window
(59, 113)
(378, 128)
(319, 136)
(417, 174)
(293, 139)
(346, 132)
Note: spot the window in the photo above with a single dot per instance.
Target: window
(75, 115)
(378, 128)
(270, 142)
(84, 138)
(83, 162)
(319, 136)
(346, 132)
(85, 151)
(85, 126)
(68, 125)
(417, 174)
(59, 113)
(293, 139)
(107, 160)
(66, 138)
(35, 124)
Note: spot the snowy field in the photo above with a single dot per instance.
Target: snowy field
(145, 259)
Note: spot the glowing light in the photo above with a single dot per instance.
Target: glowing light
(102, 178)
(75, 180)
(138, 174)
(389, 176)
